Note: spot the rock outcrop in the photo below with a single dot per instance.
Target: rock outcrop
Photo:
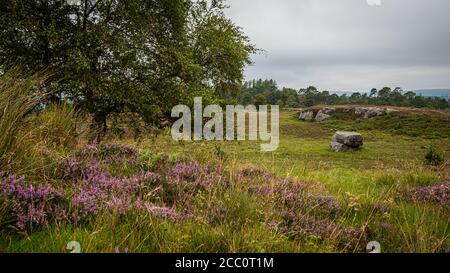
(369, 112)
(316, 114)
(321, 114)
(343, 141)
(307, 115)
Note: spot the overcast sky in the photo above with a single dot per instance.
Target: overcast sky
(348, 44)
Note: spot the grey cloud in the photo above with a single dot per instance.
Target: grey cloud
(347, 44)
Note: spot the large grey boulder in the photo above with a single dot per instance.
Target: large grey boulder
(343, 141)
(351, 139)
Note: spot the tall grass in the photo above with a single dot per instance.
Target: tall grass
(19, 95)
(56, 126)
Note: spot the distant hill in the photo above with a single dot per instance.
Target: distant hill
(443, 93)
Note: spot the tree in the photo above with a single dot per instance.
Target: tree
(312, 90)
(220, 48)
(383, 95)
(110, 56)
(259, 99)
(398, 90)
(396, 97)
(311, 96)
(355, 97)
(441, 103)
(410, 95)
(267, 88)
(141, 56)
(418, 101)
(291, 102)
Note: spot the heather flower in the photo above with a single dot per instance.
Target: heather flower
(263, 190)
(87, 152)
(85, 203)
(120, 205)
(31, 206)
(185, 179)
(109, 154)
(303, 225)
(76, 168)
(72, 165)
(383, 225)
(324, 204)
(436, 194)
(94, 190)
(215, 213)
(381, 207)
(288, 215)
(100, 191)
(114, 153)
(290, 193)
(163, 212)
(185, 172)
(251, 172)
(300, 213)
(273, 225)
(309, 225)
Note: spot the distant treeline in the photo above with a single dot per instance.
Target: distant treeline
(261, 92)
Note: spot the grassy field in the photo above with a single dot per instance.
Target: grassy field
(230, 197)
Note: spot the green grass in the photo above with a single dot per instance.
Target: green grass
(416, 124)
(138, 234)
(391, 161)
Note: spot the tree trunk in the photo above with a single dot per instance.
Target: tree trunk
(98, 128)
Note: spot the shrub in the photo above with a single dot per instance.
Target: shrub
(433, 157)
(30, 206)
